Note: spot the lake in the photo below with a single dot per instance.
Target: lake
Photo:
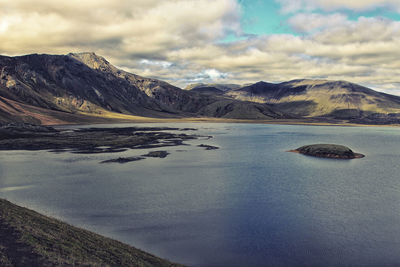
(250, 203)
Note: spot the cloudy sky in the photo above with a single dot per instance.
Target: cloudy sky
(225, 41)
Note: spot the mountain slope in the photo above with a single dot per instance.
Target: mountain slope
(80, 86)
(171, 98)
(13, 111)
(176, 100)
(209, 90)
(312, 98)
(231, 109)
(62, 83)
(84, 83)
(28, 238)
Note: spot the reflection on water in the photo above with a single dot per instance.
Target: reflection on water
(13, 188)
(247, 204)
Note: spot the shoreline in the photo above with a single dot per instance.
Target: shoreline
(221, 120)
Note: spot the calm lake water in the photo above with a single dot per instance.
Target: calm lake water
(249, 203)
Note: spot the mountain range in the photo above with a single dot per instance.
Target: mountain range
(85, 87)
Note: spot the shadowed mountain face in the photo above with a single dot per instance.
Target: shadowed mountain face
(220, 86)
(34, 86)
(311, 98)
(65, 84)
(208, 90)
(170, 98)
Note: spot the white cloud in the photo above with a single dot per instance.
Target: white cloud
(133, 27)
(289, 6)
(4, 26)
(214, 74)
(309, 22)
(361, 31)
(162, 64)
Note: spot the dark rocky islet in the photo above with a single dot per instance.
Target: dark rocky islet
(122, 160)
(156, 154)
(328, 151)
(208, 147)
(152, 154)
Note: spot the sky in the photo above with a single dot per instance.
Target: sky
(217, 41)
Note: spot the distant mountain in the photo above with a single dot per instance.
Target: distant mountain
(320, 98)
(209, 90)
(220, 86)
(78, 86)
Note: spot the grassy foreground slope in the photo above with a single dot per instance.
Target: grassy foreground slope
(28, 238)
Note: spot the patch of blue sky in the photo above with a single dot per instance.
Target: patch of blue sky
(265, 18)
(261, 18)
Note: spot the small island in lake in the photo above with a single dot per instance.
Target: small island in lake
(208, 147)
(328, 151)
(122, 160)
(157, 154)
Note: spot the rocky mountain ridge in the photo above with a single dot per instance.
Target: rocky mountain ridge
(306, 98)
(87, 84)
(84, 87)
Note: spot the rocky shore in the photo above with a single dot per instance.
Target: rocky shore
(89, 140)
